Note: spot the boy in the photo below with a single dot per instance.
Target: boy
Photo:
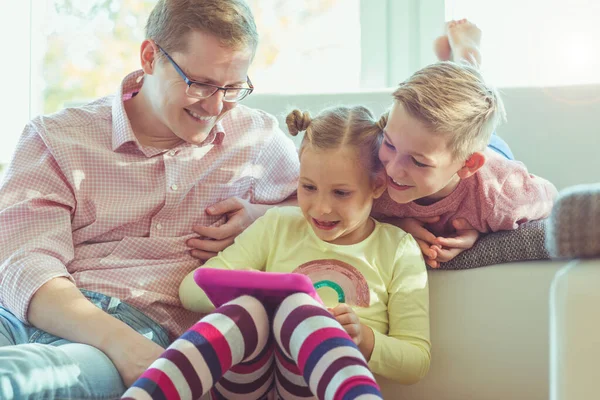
(441, 177)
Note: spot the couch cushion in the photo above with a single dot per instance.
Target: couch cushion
(522, 244)
(574, 225)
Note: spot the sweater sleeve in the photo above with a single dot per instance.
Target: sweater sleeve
(519, 198)
(250, 250)
(404, 354)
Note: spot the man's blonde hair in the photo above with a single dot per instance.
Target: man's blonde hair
(336, 127)
(231, 21)
(453, 100)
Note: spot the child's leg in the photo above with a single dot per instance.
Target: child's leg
(461, 42)
(247, 380)
(235, 332)
(327, 357)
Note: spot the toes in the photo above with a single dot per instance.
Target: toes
(441, 47)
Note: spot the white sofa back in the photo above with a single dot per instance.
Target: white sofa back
(554, 131)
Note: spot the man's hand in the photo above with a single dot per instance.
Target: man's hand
(361, 334)
(447, 248)
(239, 215)
(132, 354)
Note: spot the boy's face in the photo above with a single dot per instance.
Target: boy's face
(205, 60)
(336, 193)
(418, 162)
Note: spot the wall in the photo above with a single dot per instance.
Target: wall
(555, 131)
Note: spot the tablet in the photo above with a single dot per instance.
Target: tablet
(224, 285)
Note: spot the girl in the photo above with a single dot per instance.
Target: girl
(375, 271)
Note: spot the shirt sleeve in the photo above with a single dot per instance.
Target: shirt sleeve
(278, 168)
(36, 242)
(250, 250)
(522, 197)
(404, 354)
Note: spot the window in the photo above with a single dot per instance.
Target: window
(66, 52)
(84, 48)
(535, 42)
(63, 52)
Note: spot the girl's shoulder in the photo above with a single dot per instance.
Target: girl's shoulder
(388, 234)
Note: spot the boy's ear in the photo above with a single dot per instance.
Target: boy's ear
(472, 165)
(379, 183)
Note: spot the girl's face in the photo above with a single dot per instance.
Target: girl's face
(418, 163)
(336, 193)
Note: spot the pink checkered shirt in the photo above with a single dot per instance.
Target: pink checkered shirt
(83, 199)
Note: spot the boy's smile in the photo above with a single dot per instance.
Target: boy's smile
(417, 161)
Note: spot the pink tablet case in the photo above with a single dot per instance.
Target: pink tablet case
(222, 285)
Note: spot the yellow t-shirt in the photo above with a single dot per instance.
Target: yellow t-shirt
(383, 278)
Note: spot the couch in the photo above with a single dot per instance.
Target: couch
(491, 327)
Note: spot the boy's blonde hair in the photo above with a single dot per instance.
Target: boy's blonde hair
(341, 126)
(453, 100)
(229, 20)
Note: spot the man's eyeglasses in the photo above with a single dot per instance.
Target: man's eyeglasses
(205, 90)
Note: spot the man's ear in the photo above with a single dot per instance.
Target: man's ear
(472, 165)
(379, 183)
(148, 56)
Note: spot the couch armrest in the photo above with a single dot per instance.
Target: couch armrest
(574, 227)
(574, 327)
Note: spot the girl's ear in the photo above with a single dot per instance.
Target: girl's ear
(472, 165)
(379, 183)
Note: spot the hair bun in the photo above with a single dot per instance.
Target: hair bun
(297, 121)
(381, 124)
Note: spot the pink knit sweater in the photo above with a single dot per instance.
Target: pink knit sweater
(500, 196)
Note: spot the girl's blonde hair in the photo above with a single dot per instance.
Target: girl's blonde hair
(229, 20)
(340, 126)
(453, 100)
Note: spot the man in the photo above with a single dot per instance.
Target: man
(102, 204)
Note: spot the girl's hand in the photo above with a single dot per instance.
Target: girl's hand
(361, 334)
(345, 315)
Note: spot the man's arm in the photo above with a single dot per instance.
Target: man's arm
(240, 215)
(58, 307)
(276, 186)
(36, 204)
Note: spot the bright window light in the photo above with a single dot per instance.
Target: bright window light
(536, 42)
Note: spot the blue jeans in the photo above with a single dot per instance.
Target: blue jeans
(37, 365)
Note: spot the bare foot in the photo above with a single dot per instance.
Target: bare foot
(460, 43)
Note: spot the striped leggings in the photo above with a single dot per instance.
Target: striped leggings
(241, 351)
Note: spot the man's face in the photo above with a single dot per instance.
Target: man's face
(205, 60)
(418, 163)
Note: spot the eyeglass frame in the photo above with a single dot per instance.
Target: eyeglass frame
(190, 82)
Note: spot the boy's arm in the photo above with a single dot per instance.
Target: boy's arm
(250, 250)
(439, 249)
(404, 353)
(520, 198)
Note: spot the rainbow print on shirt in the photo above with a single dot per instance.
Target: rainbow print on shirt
(337, 282)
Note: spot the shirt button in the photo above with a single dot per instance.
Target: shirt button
(174, 187)
(172, 153)
(158, 227)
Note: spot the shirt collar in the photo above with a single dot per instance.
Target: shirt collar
(122, 131)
